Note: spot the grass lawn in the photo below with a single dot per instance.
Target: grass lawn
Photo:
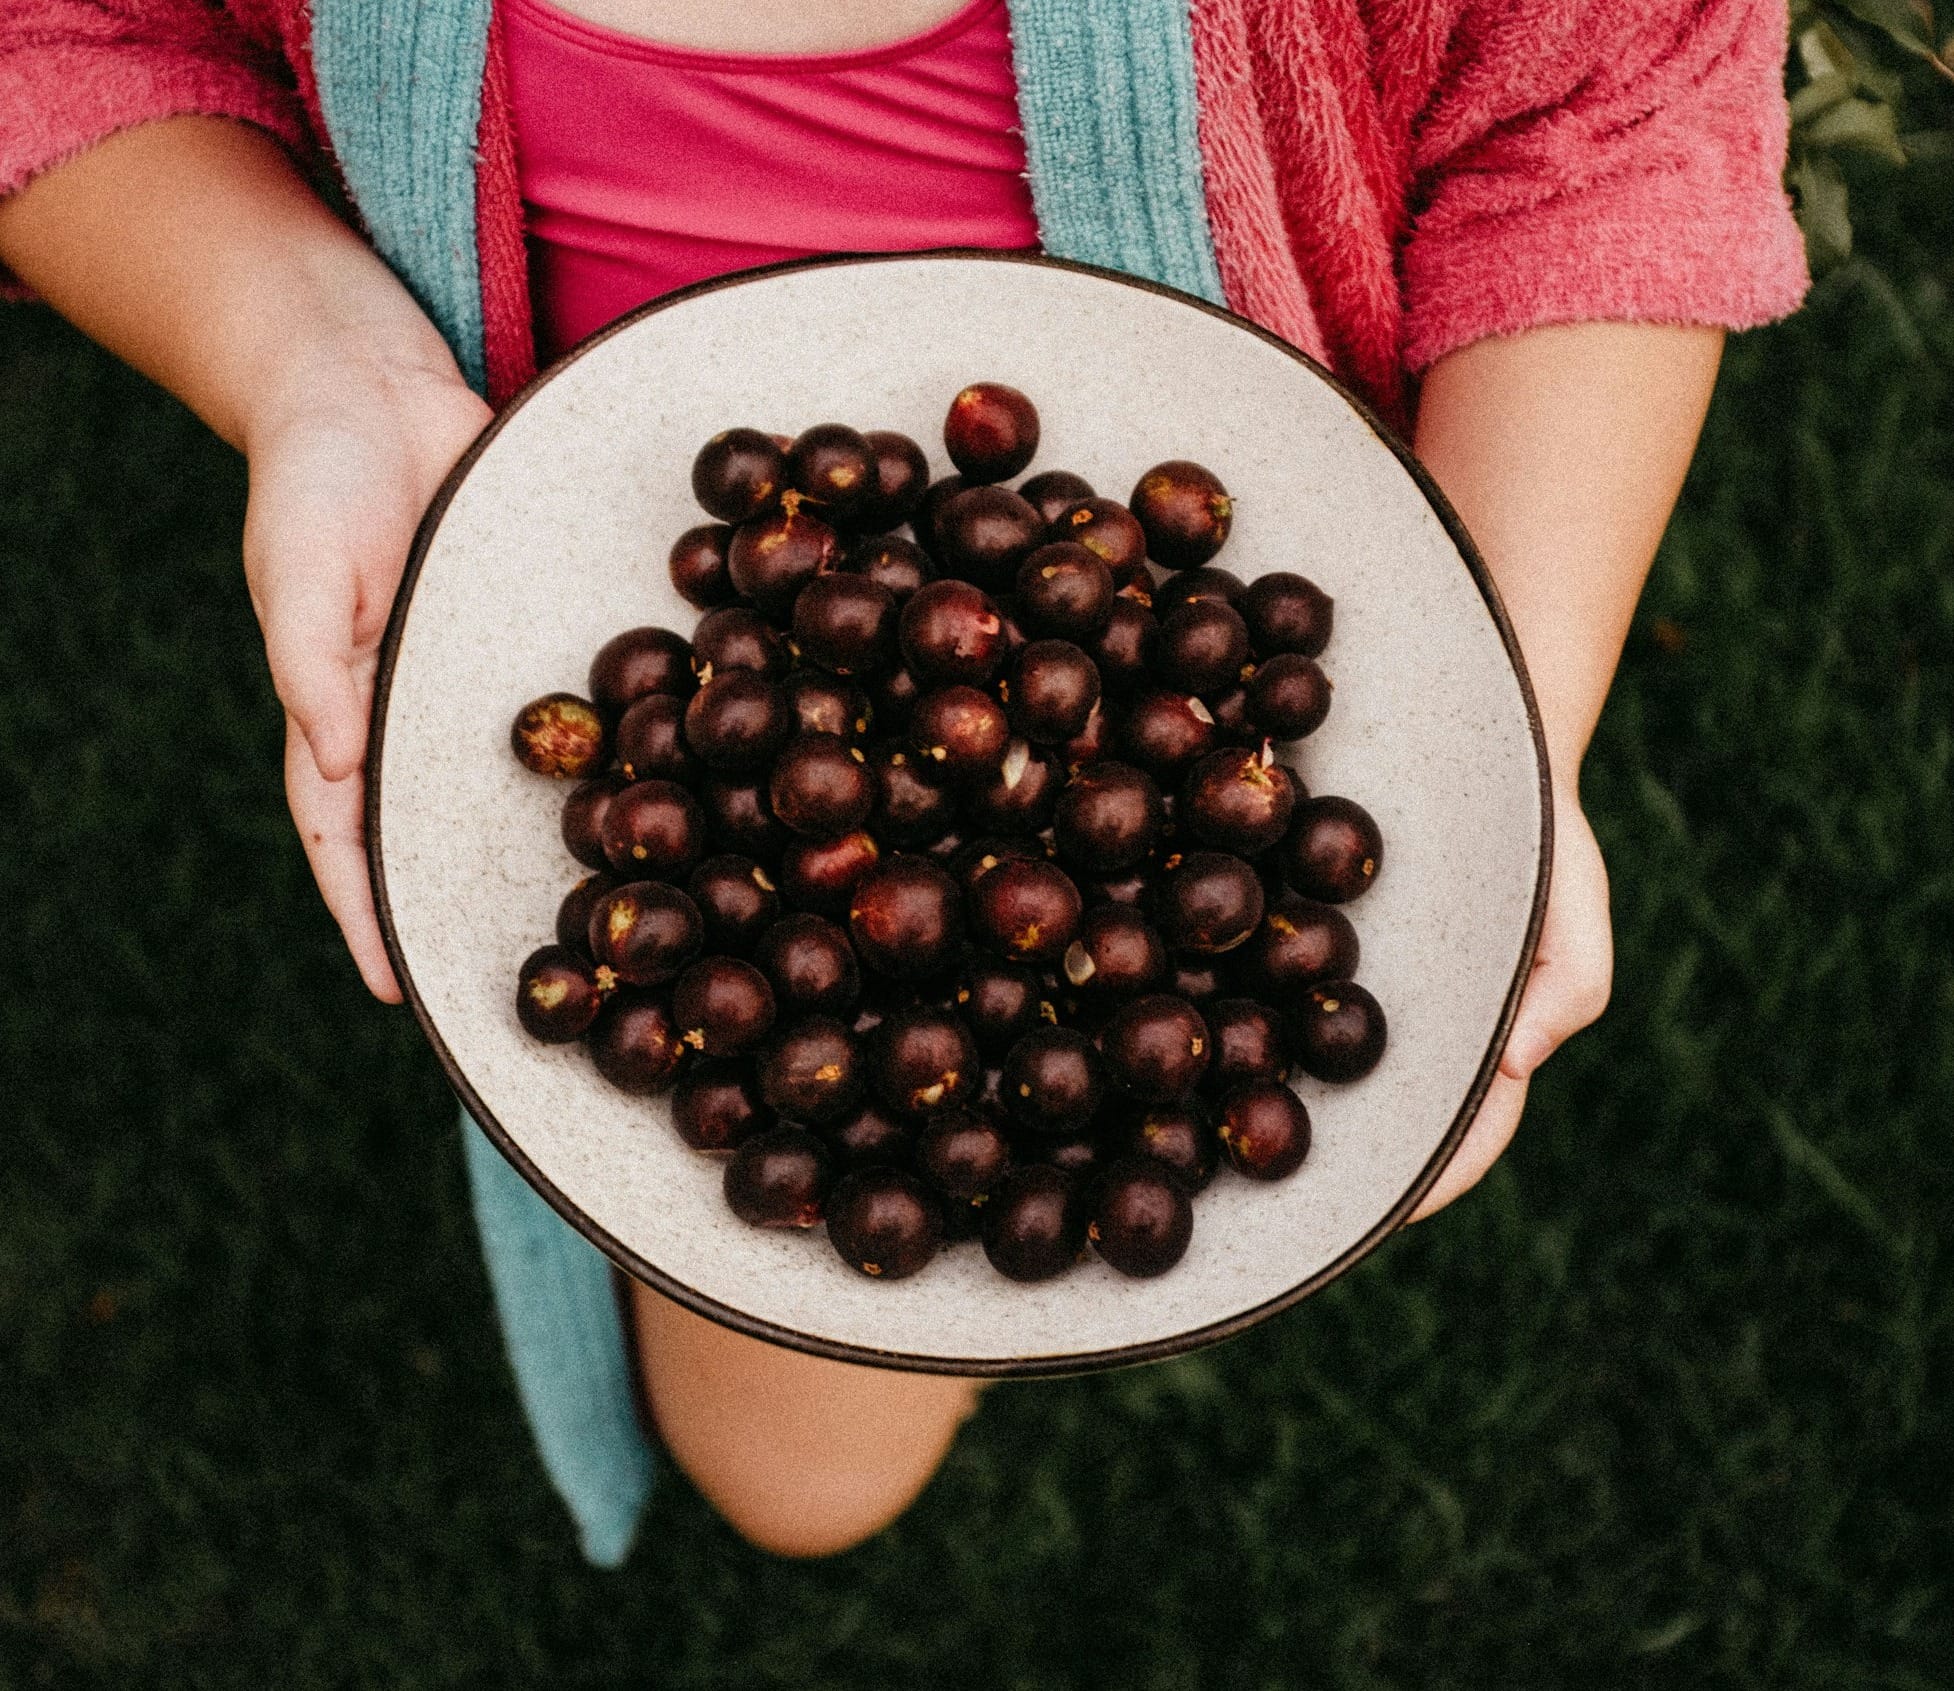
(1668, 1401)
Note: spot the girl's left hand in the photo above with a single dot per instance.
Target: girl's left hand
(1567, 989)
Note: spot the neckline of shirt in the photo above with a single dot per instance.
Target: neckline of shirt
(615, 43)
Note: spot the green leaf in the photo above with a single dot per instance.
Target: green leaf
(1897, 19)
(1821, 94)
(1864, 126)
(1823, 213)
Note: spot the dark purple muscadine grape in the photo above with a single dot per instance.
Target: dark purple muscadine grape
(558, 994)
(901, 475)
(583, 819)
(963, 1153)
(1028, 911)
(773, 556)
(1234, 800)
(974, 859)
(1208, 902)
(1164, 733)
(1339, 1031)
(1199, 979)
(1156, 1048)
(738, 473)
(1122, 651)
(811, 967)
(1299, 944)
(1264, 1129)
(1105, 527)
(573, 914)
(869, 1136)
(895, 693)
(561, 735)
(1288, 696)
(884, 1222)
(899, 567)
(1194, 587)
(1334, 850)
(1064, 592)
(738, 818)
(716, 1106)
(1184, 511)
(991, 432)
(1250, 1043)
(820, 875)
(1286, 612)
(737, 721)
(813, 1072)
(722, 1006)
(1000, 1002)
(1078, 1155)
(1053, 1080)
(738, 637)
(910, 809)
(1117, 954)
(1108, 818)
(921, 1060)
(635, 1042)
(644, 932)
(1179, 1136)
(922, 520)
(1053, 492)
(951, 631)
(1142, 1217)
(737, 901)
(1131, 887)
(827, 704)
(845, 623)
(638, 662)
(650, 741)
(1202, 649)
(697, 564)
(834, 468)
(1020, 798)
(906, 918)
(821, 786)
(1034, 1224)
(654, 830)
(1050, 691)
(983, 534)
(960, 733)
(779, 1178)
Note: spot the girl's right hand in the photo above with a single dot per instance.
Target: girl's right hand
(344, 458)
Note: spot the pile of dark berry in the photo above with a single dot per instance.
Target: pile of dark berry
(952, 884)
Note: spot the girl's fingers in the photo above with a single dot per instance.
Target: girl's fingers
(1491, 1132)
(330, 819)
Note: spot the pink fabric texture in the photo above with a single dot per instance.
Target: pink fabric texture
(1386, 179)
(645, 167)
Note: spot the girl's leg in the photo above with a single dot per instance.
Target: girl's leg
(804, 1456)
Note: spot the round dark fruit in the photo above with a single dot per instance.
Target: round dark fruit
(558, 994)
(737, 721)
(773, 556)
(1130, 887)
(811, 967)
(826, 704)
(736, 637)
(1193, 587)
(1333, 851)
(1050, 691)
(650, 741)
(738, 473)
(901, 475)
(1122, 651)
(1288, 696)
(1264, 1129)
(1233, 725)
(1299, 944)
(1339, 1031)
(1108, 818)
(906, 919)
(738, 818)
(963, 1153)
(821, 786)
(654, 830)
(899, 567)
(716, 1106)
(697, 563)
(884, 1222)
(950, 631)
(1156, 1048)
(1235, 800)
(634, 1042)
(1034, 1224)
(1065, 592)
(812, 1072)
(922, 520)
(1117, 954)
(573, 914)
(1203, 647)
(583, 819)
(1184, 511)
(1142, 1217)
(1029, 911)
(1079, 1155)
(1286, 612)
(896, 692)
(1052, 492)
(1053, 1080)
(1092, 742)
(639, 662)
(961, 733)
(1178, 1136)
(975, 859)
(1199, 979)
(561, 735)
(1164, 733)
(921, 1060)
(845, 623)
(991, 432)
(1000, 1002)
(737, 901)
(779, 1178)
(722, 1006)
(1020, 798)
(820, 875)
(869, 1136)
(1106, 528)
(910, 809)
(645, 932)
(1250, 1043)
(832, 466)
(1209, 902)
(984, 533)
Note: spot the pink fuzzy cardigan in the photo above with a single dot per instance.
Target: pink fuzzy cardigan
(1386, 180)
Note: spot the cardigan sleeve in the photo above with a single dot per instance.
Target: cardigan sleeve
(1588, 160)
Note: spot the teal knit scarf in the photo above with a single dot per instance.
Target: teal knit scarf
(1106, 96)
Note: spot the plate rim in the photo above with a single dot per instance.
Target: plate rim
(1046, 1365)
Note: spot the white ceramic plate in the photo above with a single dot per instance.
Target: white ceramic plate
(551, 536)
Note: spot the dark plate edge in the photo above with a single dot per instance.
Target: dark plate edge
(1030, 1367)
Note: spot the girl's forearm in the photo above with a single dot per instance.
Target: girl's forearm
(1564, 449)
(194, 249)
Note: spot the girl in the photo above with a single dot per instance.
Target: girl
(1519, 228)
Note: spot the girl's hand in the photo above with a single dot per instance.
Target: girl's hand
(1567, 989)
(344, 459)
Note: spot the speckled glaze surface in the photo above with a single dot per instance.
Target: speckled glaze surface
(552, 536)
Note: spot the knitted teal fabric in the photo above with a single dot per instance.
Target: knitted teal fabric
(1107, 97)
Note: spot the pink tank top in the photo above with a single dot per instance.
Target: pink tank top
(646, 167)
